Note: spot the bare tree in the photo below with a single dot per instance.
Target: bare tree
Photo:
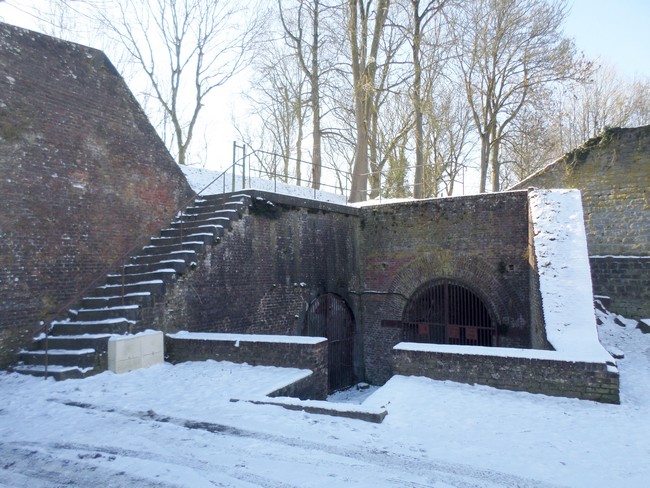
(186, 48)
(505, 48)
(307, 52)
(420, 14)
(364, 49)
(279, 112)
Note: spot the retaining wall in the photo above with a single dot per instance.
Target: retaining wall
(626, 280)
(258, 350)
(532, 371)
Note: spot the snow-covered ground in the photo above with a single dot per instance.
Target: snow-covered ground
(176, 426)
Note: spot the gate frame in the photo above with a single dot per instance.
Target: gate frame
(448, 327)
(334, 385)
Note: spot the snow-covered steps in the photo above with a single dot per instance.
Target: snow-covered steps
(97, 342)
(179, 266)
(204, 237)
(187, 255)
(58, 372)
(160, 248)
(153, 287)
(167, 275)
(130, 312)
(118, 325)
(125, 302)
(213, 226)
(83, 358)
(144, 299)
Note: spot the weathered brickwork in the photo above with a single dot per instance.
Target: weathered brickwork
(613, 173)
(264, 274)
(626, 280)
(312, 356)
(480, 241)
(84, 177)
(587, 381)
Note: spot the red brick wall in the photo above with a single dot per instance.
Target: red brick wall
(83, 177)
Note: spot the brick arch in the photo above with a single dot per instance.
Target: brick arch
(472, 271)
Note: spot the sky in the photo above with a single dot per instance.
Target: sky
(616, 32)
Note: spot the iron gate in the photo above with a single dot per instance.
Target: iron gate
(329, 316)
(446, 312)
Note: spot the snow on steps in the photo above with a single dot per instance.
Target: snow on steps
(78, 347)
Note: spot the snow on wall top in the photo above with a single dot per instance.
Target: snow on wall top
(564, 275)
(218, 336)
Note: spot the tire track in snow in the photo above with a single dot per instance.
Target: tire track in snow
(39, 466)
(449, 474)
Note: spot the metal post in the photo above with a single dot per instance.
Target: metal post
(47, 347)
(243, 168)
(234, 161)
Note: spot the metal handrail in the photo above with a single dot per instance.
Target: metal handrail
(274, 175)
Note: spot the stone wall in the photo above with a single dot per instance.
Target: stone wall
(624, 279)
(288, 352)
(85, 178)
(480, 241)
(613, 173)
(567, 378)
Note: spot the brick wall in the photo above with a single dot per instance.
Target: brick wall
(262, 276)
(258, 350)
(613, 173)
(624, 279)
(480, 241)
(84, 177)
(567, 378)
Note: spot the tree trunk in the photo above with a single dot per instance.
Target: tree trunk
(316, 163)
(418, 190)
(485, 156)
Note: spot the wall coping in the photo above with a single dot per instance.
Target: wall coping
(505, 352)
(267, 338)
(294, 201)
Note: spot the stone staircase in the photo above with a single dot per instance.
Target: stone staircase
(78, 346)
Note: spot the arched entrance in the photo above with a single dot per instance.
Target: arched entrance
(448, 312)
(329, 316)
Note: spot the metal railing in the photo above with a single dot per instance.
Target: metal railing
(342, 178)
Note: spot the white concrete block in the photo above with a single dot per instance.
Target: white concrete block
(128, 353)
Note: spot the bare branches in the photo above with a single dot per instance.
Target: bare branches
(186, 49)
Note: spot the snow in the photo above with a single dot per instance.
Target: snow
(55, 352)
(564, 275)
(175, 426)
(502, 352)
(209, 182)
(148, 282)
(209, 336)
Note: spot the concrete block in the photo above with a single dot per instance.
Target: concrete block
(128, 353)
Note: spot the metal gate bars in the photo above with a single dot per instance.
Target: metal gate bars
(329, 316)
(446, 312)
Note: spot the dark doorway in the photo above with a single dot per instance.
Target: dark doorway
(329, 316)
(447, 312)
